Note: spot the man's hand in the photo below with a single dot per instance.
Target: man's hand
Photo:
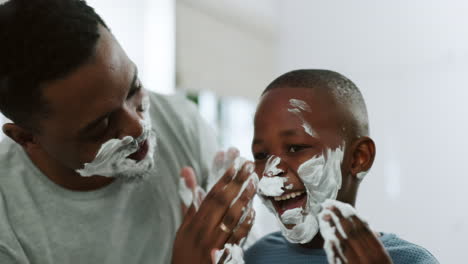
(217, 220)
(355, 242)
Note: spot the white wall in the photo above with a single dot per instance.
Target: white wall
(223, 49)
(410, 60)
(146, 30)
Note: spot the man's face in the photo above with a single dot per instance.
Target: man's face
(99, 101)
(296, 126)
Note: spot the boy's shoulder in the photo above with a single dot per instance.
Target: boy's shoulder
(274, 248)
(402, 251)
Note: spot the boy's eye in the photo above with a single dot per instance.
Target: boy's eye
(260, 156)
(296, 148)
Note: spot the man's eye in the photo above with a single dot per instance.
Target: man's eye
(260, 156)
(101, 129)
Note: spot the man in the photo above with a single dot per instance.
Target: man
(312, 152)
(89, 173)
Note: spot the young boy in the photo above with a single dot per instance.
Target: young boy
(312, 149)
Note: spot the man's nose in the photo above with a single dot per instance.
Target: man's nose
(130, 124)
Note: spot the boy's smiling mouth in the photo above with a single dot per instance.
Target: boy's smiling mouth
(288, 201)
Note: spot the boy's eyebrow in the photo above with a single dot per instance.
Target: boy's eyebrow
(284, 133)
(289, 133)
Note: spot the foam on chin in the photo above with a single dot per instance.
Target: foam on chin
(111, 159)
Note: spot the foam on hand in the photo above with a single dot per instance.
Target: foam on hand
(328, 232)
(235, 254)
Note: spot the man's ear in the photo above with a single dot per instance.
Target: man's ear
(363, 156)
(20, 135)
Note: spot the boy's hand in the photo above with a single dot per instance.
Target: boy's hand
(216, 222)
(356, 242)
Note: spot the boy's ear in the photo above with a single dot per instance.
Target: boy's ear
(20, 135)
(363, 156)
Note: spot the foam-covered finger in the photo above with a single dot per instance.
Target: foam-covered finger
(189, 176)
(223, 257)
(242, 230)
(234, 215)
(336, 211)
(335, 221)
(187, 186)
(244, 173)
(338, 257)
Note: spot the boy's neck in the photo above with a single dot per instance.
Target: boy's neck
(316, 242)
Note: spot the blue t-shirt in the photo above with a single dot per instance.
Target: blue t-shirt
(274, 248)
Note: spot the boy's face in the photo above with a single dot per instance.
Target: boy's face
(297, 126)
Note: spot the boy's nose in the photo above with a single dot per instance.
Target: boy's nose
(274, 167)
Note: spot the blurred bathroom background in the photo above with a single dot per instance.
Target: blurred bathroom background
(409, 58)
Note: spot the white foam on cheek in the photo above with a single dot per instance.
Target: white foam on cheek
(322, 178)
(328, 232)
(111, 159)
(271, 186)
(235, 255)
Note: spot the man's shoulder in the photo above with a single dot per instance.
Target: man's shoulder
(175, 105)
(402, 251)
(10, 158)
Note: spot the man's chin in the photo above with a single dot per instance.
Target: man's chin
(139, 172)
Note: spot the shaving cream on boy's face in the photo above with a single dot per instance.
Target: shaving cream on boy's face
(127, 157)
(321, 176)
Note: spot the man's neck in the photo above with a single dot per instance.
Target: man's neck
(66, 177)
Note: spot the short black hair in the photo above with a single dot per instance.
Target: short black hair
(41, 41)
(345, 92)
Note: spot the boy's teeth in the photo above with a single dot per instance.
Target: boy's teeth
(287, 196)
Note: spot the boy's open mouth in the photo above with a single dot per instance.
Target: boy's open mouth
(289, 200)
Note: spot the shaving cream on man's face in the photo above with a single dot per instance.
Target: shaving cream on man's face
(112, 159)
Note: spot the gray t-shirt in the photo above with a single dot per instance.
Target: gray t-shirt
(41, 222)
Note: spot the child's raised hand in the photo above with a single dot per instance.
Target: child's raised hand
(348, 239)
